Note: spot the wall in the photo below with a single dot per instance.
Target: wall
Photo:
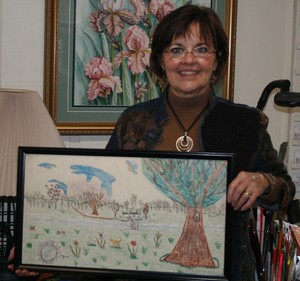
(22, 44)
(263, 54)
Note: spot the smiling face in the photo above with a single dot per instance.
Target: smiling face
(189, 76)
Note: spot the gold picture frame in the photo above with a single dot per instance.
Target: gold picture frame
(60, 23)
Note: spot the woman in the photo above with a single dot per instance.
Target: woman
(189, 53)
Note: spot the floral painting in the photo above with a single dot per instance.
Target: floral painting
(112, 50)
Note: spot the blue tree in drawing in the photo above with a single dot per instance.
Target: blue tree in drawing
(196, 184)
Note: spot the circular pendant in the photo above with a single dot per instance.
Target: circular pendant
(184, 143)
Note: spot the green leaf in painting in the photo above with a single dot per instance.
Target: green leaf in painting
(127, 86)
(153, 89)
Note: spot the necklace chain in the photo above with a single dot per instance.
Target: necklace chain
(185, 143)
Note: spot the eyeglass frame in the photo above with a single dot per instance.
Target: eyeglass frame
(196, 54)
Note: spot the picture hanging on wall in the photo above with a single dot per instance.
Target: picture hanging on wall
(97, 58)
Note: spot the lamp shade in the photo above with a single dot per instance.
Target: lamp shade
(24, 121)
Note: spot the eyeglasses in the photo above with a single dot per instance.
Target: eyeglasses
(199, 52)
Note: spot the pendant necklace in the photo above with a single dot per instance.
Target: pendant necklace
(185, 143)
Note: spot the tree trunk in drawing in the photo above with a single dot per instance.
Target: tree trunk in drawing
(192, 248)
(196, 185)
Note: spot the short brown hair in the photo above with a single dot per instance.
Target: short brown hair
(177, 24)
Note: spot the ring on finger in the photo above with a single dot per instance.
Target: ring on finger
(247, 194)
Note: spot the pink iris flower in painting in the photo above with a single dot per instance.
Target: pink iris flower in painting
(112, 14)
(108, 17)
(138, 51)
(100, 71)
(111, 5)
(95, 20)
(112, 21)
(139, 7)
(160, 8)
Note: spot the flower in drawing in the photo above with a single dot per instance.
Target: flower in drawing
(111, 16)
(138, 51)
(133, 249)
(77, 249)
(160, 8)
(48, 252)
(100, 71)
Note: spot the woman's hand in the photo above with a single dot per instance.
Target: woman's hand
(245, 188)
(19, 272)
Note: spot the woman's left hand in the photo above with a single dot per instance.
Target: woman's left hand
(19, 272)
(245, 188)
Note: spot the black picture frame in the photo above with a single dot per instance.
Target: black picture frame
(124, 213)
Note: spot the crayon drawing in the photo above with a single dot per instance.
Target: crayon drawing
(133, 213)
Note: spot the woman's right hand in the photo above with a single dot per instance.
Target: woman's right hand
(19, 272)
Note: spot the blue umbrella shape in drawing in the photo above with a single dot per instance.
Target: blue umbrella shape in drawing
(60, 185)
(90, 172)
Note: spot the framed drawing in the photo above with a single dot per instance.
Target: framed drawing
(134, 214)
(83, 36)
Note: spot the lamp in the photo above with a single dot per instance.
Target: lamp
(24, 121)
